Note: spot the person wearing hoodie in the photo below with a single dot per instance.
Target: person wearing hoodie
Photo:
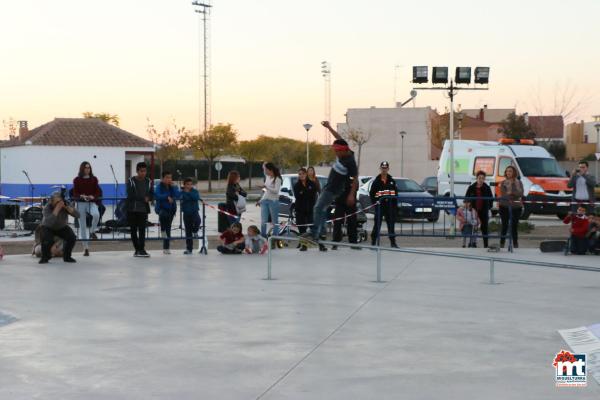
(191, 218)
(166, 195)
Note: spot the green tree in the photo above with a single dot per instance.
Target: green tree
(106, 117)
(219, 140)
(252, 151)
(168, 142)
(515, 127)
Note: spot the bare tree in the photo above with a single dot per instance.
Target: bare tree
(358, 138)
(567, 101)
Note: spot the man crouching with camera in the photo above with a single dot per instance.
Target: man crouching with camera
(55, 223)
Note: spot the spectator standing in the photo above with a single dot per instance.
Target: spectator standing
(87, 193)
(269, 202)
(166, 196)
(233, 193)
(191, 217)
(583, 185)
(305, 193)
(139, 195)
(511, 205)
(481, 197)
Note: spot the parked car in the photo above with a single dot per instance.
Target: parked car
(286, 193)
(430, 185)
(414, 202)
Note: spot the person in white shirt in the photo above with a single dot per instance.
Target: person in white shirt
(269, 202)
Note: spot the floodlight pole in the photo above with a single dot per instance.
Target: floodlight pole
(452, 91)
(597, 126)
(307, 127)
(204, 9)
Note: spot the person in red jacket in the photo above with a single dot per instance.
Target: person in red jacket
(580, 224)
(86, 194)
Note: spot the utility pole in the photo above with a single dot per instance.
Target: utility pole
(326, 73)
(203, 67)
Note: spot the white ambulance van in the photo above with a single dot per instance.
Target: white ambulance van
(544, 181)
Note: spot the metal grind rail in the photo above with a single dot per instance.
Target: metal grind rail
(491, 259)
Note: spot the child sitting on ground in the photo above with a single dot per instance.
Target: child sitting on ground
(469, 222)
(580, 224)
(232, 239)
(255, 243)
(593, 235)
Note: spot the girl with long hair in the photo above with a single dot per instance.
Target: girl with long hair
(232, 195)
(269, 202)
(86, 193)
(511, 204)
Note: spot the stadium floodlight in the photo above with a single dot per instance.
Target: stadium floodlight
(482, 75)
(420, 74)
(439, 75)
(463, 75)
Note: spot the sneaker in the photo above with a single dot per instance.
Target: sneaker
(464, 246)
(188, 252)
(394, 245)
(303, 248)
(69, 260)
(334, 247)
(86, 253)
(93, 236)
(322, 248)
(143, 253)
(43, 261)
(166, 251)
(355, 248)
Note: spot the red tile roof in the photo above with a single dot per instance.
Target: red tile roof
(547, 126)
(79, 132)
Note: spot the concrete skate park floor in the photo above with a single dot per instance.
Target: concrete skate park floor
(211, 327)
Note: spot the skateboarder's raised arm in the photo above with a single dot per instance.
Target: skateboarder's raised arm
(327, 125)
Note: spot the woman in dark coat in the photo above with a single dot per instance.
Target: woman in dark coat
(481, 189)
(305, 192)
(234, 190)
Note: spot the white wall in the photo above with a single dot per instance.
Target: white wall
(590, 131)
(385, 143)
(58, 165)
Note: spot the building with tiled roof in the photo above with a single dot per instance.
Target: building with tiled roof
(51, 154)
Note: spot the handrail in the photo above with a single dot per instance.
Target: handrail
(491, 259)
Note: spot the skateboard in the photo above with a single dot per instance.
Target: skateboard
(553, 246)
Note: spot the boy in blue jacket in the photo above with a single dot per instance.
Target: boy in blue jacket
(166, 195)
(191, 219)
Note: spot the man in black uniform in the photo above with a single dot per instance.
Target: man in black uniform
(342, 209)
(384, 185)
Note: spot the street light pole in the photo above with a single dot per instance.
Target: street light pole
(402, 134)
(597, 126)
(307, 127)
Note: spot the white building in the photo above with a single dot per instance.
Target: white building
(384, 125)
(51, 154)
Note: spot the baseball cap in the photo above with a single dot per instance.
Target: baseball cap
(384, 164)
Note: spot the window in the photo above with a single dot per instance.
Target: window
(485, 164)
(503, 164)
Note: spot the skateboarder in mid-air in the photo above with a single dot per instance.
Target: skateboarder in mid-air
(343, 168)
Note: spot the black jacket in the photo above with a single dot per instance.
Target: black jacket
(378, 186)
(133, 197)
(231, 195)
(306, 196)
(485, 192)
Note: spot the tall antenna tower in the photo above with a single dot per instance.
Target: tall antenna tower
(203, 9)
(326, 73)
